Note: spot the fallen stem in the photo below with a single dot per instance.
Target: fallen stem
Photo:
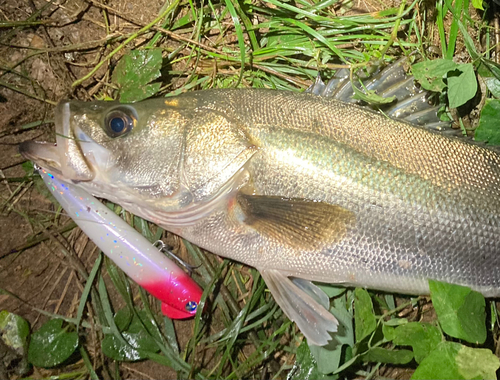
(394, 33)
(21, 91)
(124, 43)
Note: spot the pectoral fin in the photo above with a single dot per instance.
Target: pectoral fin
(300, 223)
(313, 320)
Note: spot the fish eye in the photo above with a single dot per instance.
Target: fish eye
(119, 122)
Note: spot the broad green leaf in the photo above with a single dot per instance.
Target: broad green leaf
(422, 337)
(389, 332)
(328, 357)
(390, 302)
(14, 331)
(134, 73)
(305, 367)
(484, 71)
(478, 4)
(461, 87)
(396, 322)
(382, 355)
(364, 318)
(488, 68)
(52, 344)
(452, 360)
(460, 311)
(461, 79)
(477, 363)
(489, 129)
(135, 331)
(431, 74)
(332, 290)
(493, 85)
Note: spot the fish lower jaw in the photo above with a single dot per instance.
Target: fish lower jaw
(43, 154)
(54, 158)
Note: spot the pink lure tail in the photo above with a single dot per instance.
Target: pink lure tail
(131, 251)
(180, 296)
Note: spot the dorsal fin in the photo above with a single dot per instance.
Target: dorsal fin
(412, 103)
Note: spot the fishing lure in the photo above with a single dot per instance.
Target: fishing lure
(131, 251)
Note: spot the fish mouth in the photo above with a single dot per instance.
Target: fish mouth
(65, 157)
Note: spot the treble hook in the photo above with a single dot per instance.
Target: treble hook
(162, 247)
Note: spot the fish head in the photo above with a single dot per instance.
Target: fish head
(161, 155)
(122, 152)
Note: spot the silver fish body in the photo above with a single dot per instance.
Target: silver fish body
(418, 204)
(296, 185)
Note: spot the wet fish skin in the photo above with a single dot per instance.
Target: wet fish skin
(425, 205)
(297, 185)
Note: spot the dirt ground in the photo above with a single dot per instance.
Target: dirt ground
(42, 276)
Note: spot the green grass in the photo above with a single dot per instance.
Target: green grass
(273, 44)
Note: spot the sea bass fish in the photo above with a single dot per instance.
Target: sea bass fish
(300, 186)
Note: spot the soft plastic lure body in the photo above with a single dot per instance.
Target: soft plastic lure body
(131, 251)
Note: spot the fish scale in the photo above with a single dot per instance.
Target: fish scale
(440, 202)
(298, 186)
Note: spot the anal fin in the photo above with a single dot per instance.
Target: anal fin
(316, 293)
(313, 320)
